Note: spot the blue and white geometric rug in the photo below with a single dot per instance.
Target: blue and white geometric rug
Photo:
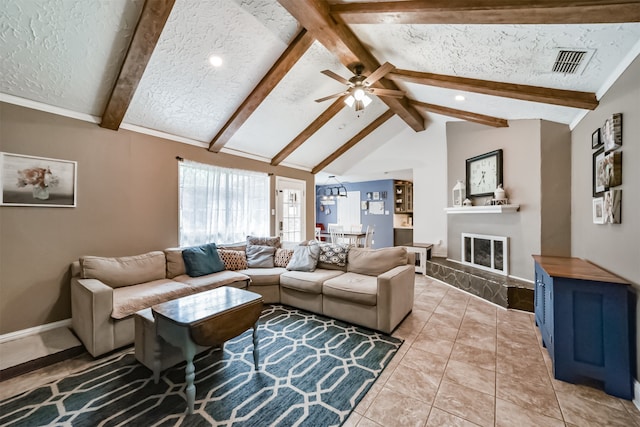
(313, 372)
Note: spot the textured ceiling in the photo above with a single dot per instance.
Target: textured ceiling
(67, 54)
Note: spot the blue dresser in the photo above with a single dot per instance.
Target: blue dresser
(586, 319)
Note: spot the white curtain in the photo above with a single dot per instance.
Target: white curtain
(221, 205)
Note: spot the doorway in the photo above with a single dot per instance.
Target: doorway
(290, 209)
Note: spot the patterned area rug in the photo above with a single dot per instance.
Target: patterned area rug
(313, 372)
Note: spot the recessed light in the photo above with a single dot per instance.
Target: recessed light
(459, 98)
(215, 60)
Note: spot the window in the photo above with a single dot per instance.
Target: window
(221, 205)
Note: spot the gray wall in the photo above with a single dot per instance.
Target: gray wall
(525, 144)
(614, 247)
(127, 204)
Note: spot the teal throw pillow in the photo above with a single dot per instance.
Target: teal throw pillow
(202, 260)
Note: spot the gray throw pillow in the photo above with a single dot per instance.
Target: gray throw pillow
(305, 258)
(260, 256)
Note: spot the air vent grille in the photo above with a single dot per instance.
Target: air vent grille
(568, 61)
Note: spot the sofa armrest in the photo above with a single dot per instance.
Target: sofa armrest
(395, 296)
(91, 307)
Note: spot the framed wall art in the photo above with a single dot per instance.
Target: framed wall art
(596, 141)
(37, 181)
(599, 184)
(613, 168)
(598, 211)
(612, 132)
(484, 173)
(612, 206)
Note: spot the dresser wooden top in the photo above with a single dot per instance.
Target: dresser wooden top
(576, 268)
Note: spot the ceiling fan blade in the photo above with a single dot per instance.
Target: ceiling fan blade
(378, 74)
(335, 95)
(337, 77)
(386, 92)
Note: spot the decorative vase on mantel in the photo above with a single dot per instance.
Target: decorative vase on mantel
(499, 193)
(458, 193)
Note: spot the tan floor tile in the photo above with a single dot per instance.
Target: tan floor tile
(589, 393)
(526, 370)
(444, 317)
(366, 422)
(477, 338)
(482, 358)
(528, 394)
(391, 408)
(466, 403)
(368, 398)
(583, 412)
(417, 384)
(433, 345)
(440, 418)
(484, 317)
(509, 415)
(440, 331)
(420, 315)
(418, 359)
(519, 350)
(471, 376)
(472, 324)
(352, 420)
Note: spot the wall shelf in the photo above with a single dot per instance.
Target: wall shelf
(483, 209)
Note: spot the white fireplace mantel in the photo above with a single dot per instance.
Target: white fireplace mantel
(499, 209)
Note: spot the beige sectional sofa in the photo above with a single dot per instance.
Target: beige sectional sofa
(374, 289)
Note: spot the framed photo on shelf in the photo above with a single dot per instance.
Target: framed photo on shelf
(599, 184)
(484, 173)
(37, 181)
(596, 141)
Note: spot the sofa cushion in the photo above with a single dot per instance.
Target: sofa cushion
(213, 280)
(233, 260)
(175, 262)
(307, 281)
(282, 257)
(129, 299)
(264, 276)
(124, 271)
(259, 256)
(264, 241)
(202, 260)
(305, 257)
(353, 287)
(333, 254)
(374, 262)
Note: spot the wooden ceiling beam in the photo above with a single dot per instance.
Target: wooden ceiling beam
(566, 98)
(145, 37)
(464, 115)
(320, 121)
(314, 15)
(489, 12)
(287, 60)
(353, 141)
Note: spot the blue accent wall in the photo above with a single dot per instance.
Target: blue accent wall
(383, 236)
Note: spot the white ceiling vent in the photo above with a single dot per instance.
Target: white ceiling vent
(571, 61)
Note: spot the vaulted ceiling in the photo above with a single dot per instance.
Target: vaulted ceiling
(145, 66)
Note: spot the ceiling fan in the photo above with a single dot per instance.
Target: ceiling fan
(359, 86)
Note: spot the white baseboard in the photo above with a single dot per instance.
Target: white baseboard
(35, 330)
(636, 393)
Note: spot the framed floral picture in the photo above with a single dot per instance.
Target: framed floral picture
(596, 141)
(37, 181)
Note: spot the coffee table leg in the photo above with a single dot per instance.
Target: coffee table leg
(255, 345)
(190, 374)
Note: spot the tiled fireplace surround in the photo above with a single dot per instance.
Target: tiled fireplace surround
(498, 289)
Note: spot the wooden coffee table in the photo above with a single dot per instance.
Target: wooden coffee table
(208, 319)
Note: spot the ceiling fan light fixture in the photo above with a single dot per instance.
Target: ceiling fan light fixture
(349, 101)
(366, 100)
(359, 94)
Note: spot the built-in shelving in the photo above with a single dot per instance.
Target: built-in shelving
(499, 209)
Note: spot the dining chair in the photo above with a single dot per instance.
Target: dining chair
(318, 237)
(337, 233)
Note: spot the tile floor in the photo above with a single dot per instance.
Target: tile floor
(464, 362)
